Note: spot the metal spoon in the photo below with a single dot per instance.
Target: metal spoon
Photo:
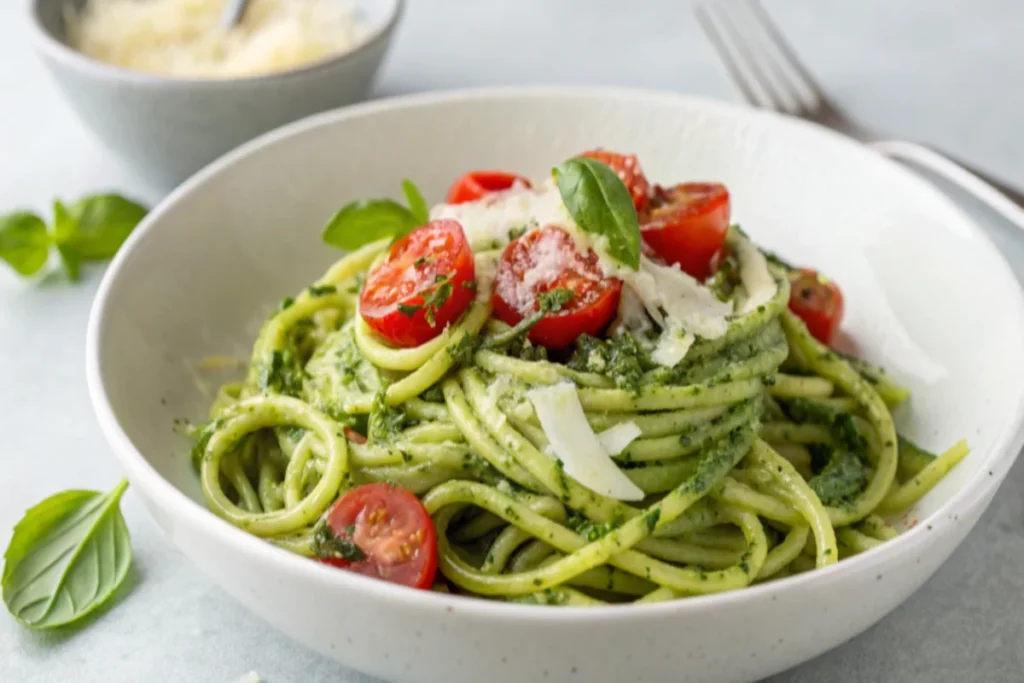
(234, 10)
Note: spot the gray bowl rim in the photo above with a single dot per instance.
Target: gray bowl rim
(58, 50)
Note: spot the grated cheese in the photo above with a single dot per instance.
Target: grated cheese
(488, 221)
(184, 37)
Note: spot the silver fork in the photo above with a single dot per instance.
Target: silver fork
(768, 74)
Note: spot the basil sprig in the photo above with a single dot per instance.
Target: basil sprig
(600, 204)
(92, 229)
(367, 220)
(67, 557)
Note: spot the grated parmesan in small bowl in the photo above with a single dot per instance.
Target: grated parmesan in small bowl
(185, 38)
(169, 90)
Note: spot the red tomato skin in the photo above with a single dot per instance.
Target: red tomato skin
(595, 303)
(818, 301)
(627, 167)
(477, 184)
(686, 224)
(416, 563)
(408, 274)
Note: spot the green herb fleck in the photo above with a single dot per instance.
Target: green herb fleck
(409, 310)
(327, 546)
(651, 518)
(322, 290)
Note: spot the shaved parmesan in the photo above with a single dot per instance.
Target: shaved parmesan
(574, 442)
(488, 221)
(757, 280)
(632, 316)
(672, 346)
(668, 292)
(486, 266)
(615, 439)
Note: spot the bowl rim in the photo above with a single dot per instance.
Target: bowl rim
(58, 50)
(977, 491)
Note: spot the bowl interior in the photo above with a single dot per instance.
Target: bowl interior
(927, 295)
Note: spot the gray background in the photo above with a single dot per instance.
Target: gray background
(940, 71)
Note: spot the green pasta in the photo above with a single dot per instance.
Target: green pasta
(746, 473)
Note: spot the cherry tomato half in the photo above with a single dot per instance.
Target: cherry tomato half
(389, 526)
(686, 224)
(627, 167)
(544, 260)
(818, 301)
(425, 283)
(476, 184)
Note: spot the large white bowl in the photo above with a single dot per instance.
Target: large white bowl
(928, 296)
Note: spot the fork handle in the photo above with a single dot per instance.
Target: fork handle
(1007, 201)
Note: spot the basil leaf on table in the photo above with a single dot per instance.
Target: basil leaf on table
(417, 204)
(91, 229)
(24, 243)
(63, 228)
(600, 204)
(66, 558)
(101, 225)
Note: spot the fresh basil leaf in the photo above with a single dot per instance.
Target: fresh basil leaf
(101, 224)
(24, 244)
(365, 221)
(417, 204)
(64, 227)
(600, 204)
(68, 555)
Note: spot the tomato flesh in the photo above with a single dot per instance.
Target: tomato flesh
(686, 224)
(476, 184)
(390, 526)
(627, 167)
(547, 259)
(424, 284)
(818, 301)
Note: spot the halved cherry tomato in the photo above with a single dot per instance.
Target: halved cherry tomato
(628, 169)
(391, 528)
(686, 224)
(544, 260)
(818, 301)
(425, 283)
(476, 184)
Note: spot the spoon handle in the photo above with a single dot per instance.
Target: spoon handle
(234, 10)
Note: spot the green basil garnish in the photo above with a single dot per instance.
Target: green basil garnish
(92, 229)
(367, 220)
(68, 555)
(600, 204)
(24, 243)
(417, 204)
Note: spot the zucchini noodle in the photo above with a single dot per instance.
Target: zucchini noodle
(759, 455)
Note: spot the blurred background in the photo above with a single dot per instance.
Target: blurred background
(947, 72)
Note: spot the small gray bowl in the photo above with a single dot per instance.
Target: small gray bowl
(168, 127)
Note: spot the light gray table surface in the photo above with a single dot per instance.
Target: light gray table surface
(941, 71)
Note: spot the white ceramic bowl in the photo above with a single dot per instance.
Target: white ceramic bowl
(168, 128)
(928, 296)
